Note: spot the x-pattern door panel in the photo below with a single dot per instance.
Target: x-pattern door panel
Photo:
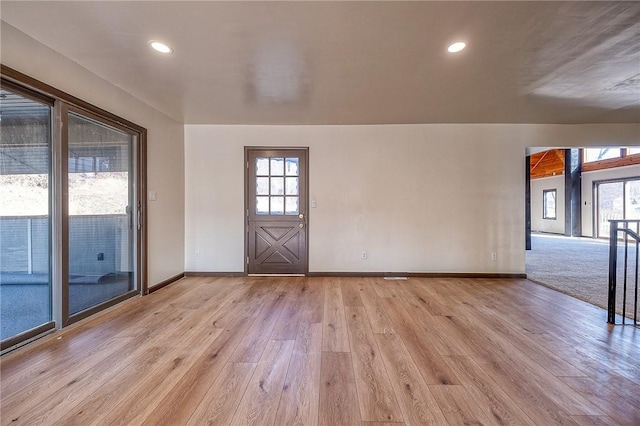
(276, 211)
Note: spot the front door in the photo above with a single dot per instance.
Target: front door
(276, 210)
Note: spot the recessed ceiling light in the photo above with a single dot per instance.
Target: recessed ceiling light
(160, 47)
(457, 46)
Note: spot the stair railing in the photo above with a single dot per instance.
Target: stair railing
(616, 227)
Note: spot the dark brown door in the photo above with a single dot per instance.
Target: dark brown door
(276, 211)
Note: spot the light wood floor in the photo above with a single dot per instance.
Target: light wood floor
(284, 351)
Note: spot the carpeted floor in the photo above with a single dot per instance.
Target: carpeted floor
(579, 267)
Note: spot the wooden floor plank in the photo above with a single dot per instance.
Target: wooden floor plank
(416, 400)
(432, 366)
(221, 401)
(378, 318)
(47, 395)
(486, 393)
(350, 293)
(52, 354)
(508, 336)
(538, 406)
(515, 356)
(292, 313)
(623, 410)
(389, 289)
(375, 394)
(255, 341)
(444, 350)
(338, 396)
(458, 407)
(335, 335)
(147, 395)
(594, 420)
(429, 298)
(429, 326)
(299, 401)
(312, 300)
(603, 372)
(259, 404)
(113, 391)
(179, 404)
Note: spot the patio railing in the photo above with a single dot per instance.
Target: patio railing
(629, 230)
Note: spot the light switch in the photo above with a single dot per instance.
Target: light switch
(314, 204)
(153, 195)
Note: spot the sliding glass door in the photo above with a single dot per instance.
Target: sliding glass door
(101, 204)
(618, 199)
(71, 216)
(25, 225)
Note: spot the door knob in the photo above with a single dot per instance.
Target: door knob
(301, 225)
(301, 216)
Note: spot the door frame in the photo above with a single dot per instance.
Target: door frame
(247, 149)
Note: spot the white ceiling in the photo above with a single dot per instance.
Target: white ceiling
(356, 62)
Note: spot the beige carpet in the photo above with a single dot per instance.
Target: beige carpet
(579, 267)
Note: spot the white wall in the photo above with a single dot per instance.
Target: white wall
(165, 149)
(417, 198)
(538, 224)
(587, 191)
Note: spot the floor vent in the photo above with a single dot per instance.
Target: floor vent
(396, 278)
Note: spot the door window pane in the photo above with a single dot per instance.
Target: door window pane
(262, 186)
(101, 206)
(262, 166)
(277, 166)
(277, 186)
(277, 205)
(291, 167)
(292, 206)
(292, 186)
(25, 145)
(262, 205)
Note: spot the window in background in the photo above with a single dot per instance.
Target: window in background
(633, 151)
(599, 154)
(549, 204)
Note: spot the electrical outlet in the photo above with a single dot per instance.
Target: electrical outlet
(197, 254)
(364, 255)
(494, 256)
(100, 256)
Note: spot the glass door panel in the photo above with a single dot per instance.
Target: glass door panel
(610, 205)
(25, 226)
(632, 199)
(632, 202)
(101, 219)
